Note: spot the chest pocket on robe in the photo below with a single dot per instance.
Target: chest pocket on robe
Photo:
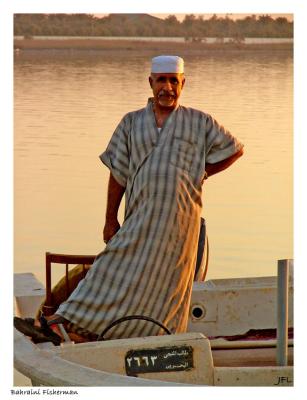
(183, 154)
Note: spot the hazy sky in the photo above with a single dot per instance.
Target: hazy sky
(180, 17)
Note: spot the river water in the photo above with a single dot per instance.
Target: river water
(67, 105)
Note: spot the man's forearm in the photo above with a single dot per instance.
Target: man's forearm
(212, 169)
(115, 195)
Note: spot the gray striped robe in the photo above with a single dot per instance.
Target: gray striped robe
(147, 268)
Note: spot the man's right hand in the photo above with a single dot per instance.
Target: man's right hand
(109, 230)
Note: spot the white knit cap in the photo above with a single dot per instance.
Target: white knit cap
(167, 64)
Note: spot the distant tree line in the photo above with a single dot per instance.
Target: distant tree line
(146, 25)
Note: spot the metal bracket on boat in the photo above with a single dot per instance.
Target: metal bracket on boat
(131, 317)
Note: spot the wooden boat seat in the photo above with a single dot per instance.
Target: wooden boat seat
(55, 296)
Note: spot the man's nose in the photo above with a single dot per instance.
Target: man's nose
(167, 85)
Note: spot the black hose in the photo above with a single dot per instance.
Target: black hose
(128, 318)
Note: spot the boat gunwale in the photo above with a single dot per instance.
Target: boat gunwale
(46, 368)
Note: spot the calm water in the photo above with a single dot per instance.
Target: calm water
(66, 108)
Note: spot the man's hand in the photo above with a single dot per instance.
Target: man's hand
(109, 230)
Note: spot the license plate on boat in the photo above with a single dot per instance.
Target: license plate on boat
(161, 359)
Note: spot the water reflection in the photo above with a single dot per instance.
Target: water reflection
(66, 108)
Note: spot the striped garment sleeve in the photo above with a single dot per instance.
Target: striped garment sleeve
(116, 156)
(220, 144)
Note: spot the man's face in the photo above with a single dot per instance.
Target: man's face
(166, 89)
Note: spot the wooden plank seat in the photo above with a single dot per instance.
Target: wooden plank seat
(61, 291)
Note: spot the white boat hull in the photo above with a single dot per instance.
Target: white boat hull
(225, 307)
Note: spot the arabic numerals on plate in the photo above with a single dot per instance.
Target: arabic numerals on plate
(162, 359)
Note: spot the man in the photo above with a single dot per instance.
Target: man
(159, 157)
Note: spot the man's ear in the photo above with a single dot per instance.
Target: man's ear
(150, 81)
(183, 82)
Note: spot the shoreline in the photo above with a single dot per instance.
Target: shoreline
(142, 45)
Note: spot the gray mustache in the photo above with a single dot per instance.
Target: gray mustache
(166, 93)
